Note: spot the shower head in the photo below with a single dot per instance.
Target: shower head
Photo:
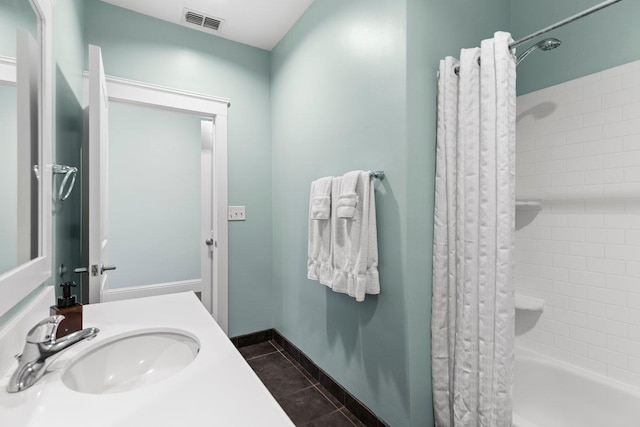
(548, 44)
(544, 45)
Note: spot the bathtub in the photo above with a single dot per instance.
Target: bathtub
(550, 393)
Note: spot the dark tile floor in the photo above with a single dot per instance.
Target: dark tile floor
(305, 401)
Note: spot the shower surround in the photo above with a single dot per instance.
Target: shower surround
(578, 151)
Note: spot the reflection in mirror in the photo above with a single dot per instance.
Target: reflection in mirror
(19, 139)
(15, 15)
(8, 179)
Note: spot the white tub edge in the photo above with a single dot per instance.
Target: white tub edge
(525, 353)
(599, 378)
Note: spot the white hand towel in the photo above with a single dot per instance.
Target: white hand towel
(354, 242)
(347, 198)
(319, 264)
(320, 207)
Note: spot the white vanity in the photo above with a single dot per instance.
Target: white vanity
(216, 388)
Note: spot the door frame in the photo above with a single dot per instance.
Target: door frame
(210, 108)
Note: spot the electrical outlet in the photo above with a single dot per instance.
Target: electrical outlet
(237, 213)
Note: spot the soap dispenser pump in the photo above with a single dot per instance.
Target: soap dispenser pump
(70, 309)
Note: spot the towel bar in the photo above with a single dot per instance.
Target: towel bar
(68, 172)
(377, 174)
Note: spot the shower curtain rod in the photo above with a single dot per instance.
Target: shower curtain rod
(559, 24)
(566, 21)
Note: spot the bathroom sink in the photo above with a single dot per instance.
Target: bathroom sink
(129, 361)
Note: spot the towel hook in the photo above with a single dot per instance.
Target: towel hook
(68, 172)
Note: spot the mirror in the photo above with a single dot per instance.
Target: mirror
(18, 144)
(25, 148)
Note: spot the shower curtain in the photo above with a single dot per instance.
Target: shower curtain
(473, 292)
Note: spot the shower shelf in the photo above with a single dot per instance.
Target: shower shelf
(525, 302)
(529, 204)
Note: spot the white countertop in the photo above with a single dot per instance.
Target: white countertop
(217, 389)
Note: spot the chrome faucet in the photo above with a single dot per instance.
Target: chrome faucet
(42, 344)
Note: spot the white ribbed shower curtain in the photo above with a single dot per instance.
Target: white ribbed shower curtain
(473, 292)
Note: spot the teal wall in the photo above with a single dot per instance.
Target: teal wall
(141, 48)
(154, 195)
(595, 43)
(338, 104)
(354, 87)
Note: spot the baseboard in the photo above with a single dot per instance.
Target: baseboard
(357, 408)
(252, 338)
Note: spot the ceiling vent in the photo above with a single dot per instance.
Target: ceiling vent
(204, 22)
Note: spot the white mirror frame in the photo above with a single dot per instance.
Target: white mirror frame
(16, 284)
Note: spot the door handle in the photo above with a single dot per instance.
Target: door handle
(209, 242)
(93, 271)
(104, 268)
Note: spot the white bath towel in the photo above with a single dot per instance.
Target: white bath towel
(319, 265)
(355, 242)
(347, 201)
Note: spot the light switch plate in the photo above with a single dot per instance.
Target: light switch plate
(237, 213)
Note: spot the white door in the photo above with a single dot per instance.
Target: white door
(102, 231)
(96, 247)
(206, 215)
(138, 184)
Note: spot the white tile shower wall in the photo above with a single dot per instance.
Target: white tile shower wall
(578, 151)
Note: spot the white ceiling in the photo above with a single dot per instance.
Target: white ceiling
(259, 23)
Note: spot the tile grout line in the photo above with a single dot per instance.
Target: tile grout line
(332, 412)
(261, 355)
(307, 374)
(320, 416)
(274, 347)
(297, 391)
(325, 396)
(342, 411)
(297, 369)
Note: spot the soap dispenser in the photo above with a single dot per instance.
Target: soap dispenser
(70, 309)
